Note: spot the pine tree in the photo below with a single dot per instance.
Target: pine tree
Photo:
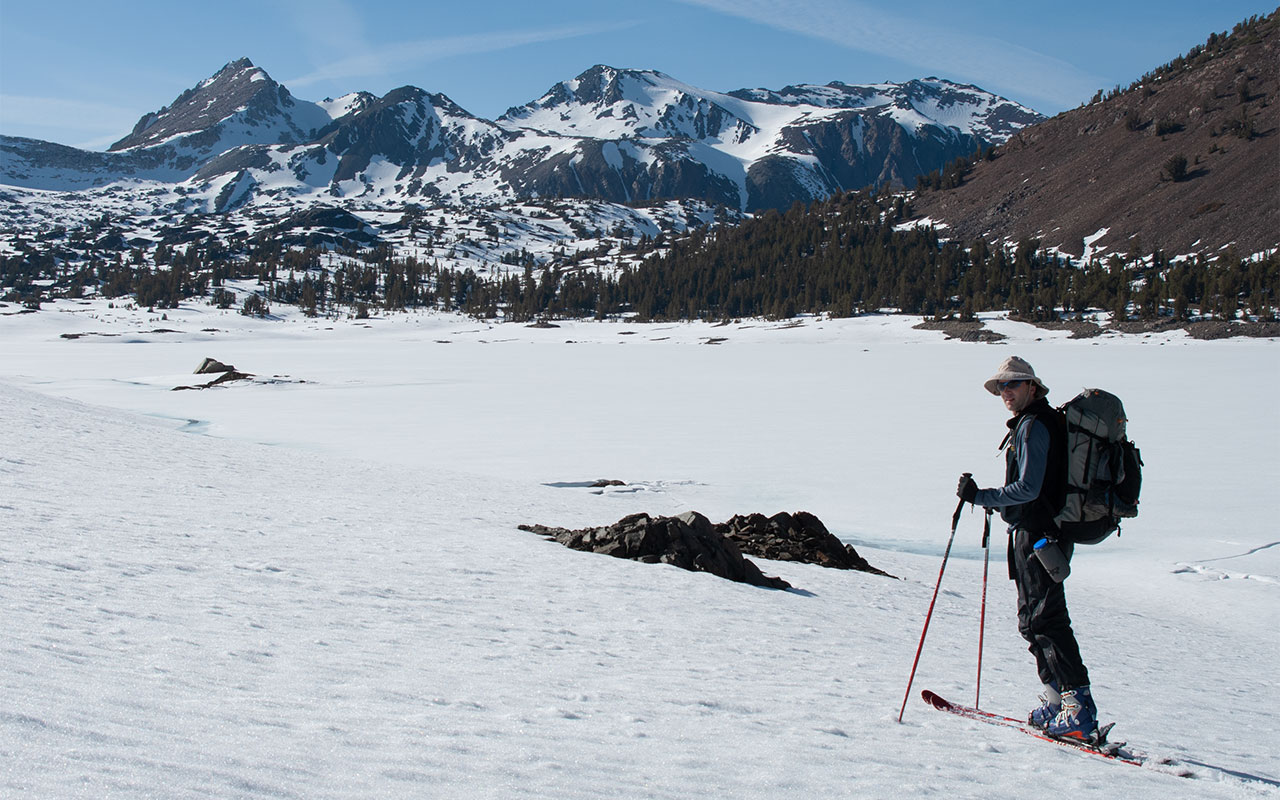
(1176, 168)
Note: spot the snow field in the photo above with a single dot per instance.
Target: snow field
(326, 595)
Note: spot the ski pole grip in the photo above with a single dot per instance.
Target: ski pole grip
(955, 520)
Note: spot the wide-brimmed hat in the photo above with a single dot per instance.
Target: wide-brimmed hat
(1014, 368)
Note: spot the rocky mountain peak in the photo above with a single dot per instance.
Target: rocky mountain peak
(596, 88)
(604, 85)
(610, 103)
(239, 89)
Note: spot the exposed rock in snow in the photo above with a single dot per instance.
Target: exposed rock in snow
(688, 541)
(793, 537)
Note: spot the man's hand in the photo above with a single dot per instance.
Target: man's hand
(966, 490)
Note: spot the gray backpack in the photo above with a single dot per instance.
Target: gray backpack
(1104, 468)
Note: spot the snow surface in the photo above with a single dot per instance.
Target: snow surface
(1089, 242)
(337, 109)
(312, 585)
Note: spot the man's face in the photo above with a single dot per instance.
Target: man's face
(1017, 395)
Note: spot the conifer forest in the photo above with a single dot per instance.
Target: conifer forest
(850, 254)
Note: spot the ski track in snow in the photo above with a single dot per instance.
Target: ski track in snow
(352, 613)
(1255, 556)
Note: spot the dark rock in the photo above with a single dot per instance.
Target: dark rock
(793, 537)
(964, 330)
(227, 377)
(225, 374)
(212, 365)
(1221, 329)
(1079, 328)
(688, 541)
(1158, 325)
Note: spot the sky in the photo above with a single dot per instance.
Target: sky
(83, 73)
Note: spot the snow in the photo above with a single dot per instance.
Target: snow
(337, 109)
(1089, 241)
(312, 584)
(613, 155)
(652, 96)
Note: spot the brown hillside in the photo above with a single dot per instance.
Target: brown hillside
(1104, 165)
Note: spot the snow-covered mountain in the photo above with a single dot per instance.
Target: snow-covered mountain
(239, 145)
(760, 148)
(240, 105)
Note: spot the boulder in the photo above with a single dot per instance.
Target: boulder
(212, 365)
(793, 537)
(228, 376)
(688, 541)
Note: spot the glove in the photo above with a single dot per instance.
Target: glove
(966, 490)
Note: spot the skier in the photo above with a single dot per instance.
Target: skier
(1033, 494)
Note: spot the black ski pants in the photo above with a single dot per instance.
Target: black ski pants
(1042, 615)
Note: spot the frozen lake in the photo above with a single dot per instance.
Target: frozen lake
(321, 593)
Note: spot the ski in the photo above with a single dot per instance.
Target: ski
(1113, 751)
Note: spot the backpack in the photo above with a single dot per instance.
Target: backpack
(1104, 468)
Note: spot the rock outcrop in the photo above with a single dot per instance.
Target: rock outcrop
(211, 366)
(688, 541)
(793, 537)
(691, 542)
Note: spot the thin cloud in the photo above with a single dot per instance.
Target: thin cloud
(385, 59)
(328, 26)
(100, 123)
(988, 61)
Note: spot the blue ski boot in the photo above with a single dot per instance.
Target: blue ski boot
(1050, 705)
(1078, 718)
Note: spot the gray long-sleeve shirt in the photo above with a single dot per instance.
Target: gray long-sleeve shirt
(1030, 453)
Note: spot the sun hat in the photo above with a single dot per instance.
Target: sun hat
(1014, 368)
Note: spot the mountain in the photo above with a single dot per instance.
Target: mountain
(1106, 178)
(648, 135)
(240, 108)
(239, 149)
(239, 105)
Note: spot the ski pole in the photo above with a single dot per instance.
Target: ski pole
(982, 617)
(955, 522)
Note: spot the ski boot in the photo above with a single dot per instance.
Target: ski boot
(1050, 705)
(1078, 718)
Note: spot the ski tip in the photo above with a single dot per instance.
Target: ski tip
(934, 700)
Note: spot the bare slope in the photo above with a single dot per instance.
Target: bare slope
(1106, 165)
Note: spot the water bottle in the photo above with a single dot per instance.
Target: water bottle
(1053, 559)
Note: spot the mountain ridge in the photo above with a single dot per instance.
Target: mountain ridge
(1105, 178)
(656, 119)
(588, 183)
(619, 158)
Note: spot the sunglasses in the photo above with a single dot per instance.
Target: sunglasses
(1002, 385)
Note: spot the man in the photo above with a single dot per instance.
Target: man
(1033, 493)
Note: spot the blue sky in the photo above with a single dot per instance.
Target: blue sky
(82, 73)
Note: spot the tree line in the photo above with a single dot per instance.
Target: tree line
(850, 254)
